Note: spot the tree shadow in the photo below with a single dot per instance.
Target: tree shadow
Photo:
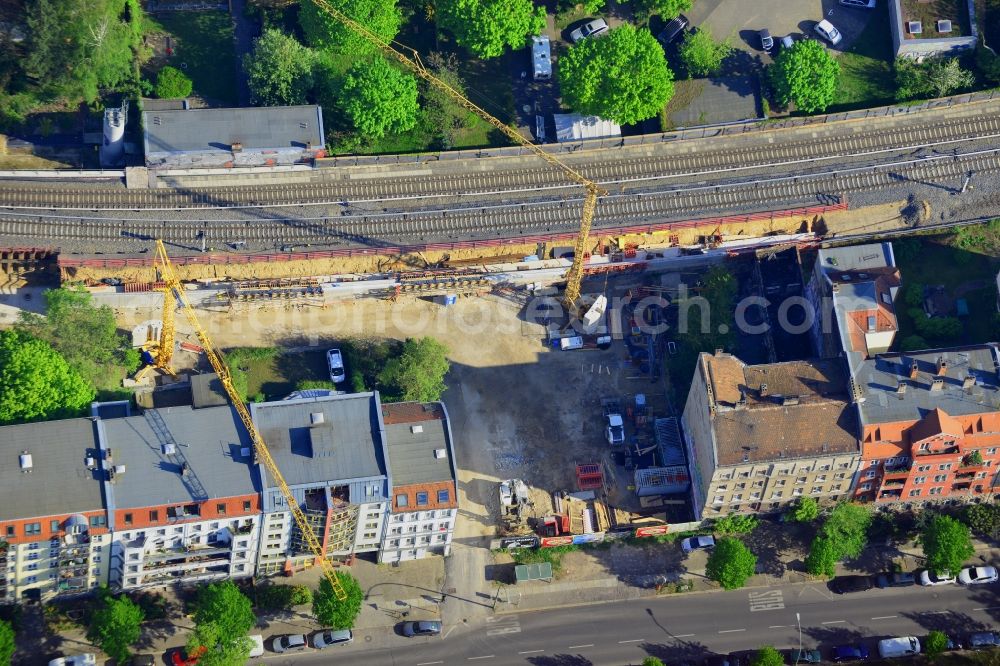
(561, 660)
(949, 622)
(773, 544)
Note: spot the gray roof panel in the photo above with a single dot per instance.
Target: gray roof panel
(257, 128)
(411, 454)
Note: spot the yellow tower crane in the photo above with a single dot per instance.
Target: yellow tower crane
(162, 349)
(174, 289)
(575, 275)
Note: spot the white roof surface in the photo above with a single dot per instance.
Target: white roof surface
(574, 127)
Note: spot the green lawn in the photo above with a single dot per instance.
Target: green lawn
(866, 76)
(204, 50)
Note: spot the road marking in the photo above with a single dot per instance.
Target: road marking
(530, 651)
(634, 640)
(450, 629)
(987, 608)
(780, 626)
(429, 663)
(730, 631)
(766, 600)
(488, 656)
(577, 647)
(936, 612)
(885, 617)
(835, 622)
(683, 635)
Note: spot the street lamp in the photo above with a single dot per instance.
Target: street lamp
(798, 621)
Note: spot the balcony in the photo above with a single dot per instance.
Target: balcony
(202, 573)
(894, 482)
(191, 553)
(890, 495)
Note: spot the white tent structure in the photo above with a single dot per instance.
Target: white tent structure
(574, 127)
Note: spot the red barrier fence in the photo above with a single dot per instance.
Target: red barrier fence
(222, 259)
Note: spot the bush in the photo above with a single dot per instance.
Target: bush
(282, 597)
(172, 83)
(736, 524)
(913, 343)
(310, 384)
(983, 519)
(913, 295)
(730, 563)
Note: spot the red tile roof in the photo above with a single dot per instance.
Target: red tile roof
(411, 412)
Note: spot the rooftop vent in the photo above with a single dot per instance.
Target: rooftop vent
(914, 369)
(119, 469)
(871, 323)
(108, 456)
(25, 460)
(236, 147)
(944, 25)
(901, 387)
(914, 27)
(169, 449)
(942, 365)
(316, 418)
(968, 381)
(90, 462)
(416, 428)
(763, 389)
(245, 452)
(440, 454)
(937, 384)
(790, 400)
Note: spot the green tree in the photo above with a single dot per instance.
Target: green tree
(913, 343)
(983, 519)
(913, 295)
(730, 563)
(652, 661)
(805, 74)
(805, 510)
(223, 615)
(702, 55)
(85, 334)
(822, 558)
(667, 9)
(847, 528)
(488, 27)
(279, 70)
(987, 60)
(442, 114)
(115, 625)
(6, 643)
(622, 77)
(935, 644)
(332, 612)
(947, 544)
(938, 328)
(736, 524)
(934, 77)
(323, 31)
(76, 49)
(36, 382)
(379, 99)
(171, 83)
(767, 656)
(417, 373)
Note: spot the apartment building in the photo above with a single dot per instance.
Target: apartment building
(930, 425)
(53, 526)
(183, 497)
(331, 452)
(853, 290)
(758, 437)
(423, 475)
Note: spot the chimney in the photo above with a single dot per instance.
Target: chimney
(901, 387)
(914, 369)
(937, 384)
(743, 399)
(968, 381)
(942, 365)
(108, 456)
(790, 400)
(237, 147)
(763, 390)
(718, 351)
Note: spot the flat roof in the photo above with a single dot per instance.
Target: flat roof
(59, 482)
(413, 432)
(856, 257)
(210, 441)
(879, 378)
(343, 443)
(256, 128)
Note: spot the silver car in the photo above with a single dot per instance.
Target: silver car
(694, 543)
(977, 575)
(593, 28)
(826, 30)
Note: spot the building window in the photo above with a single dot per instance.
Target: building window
(796, 492)
(924, 468)
(940, 478)
(991, 451)
(32, 528)
(98, 521)
(421, 499)
(246, 505)
(402, 500)
(220, 508)
(925, 446)
(154, 516)
(935, 491)
(719, 499)
(944, 467)
(128, 518)
(870, 474)
(801, 479)
(444, 497)
(919, 479)
(817, 490)
(821, 478)
(10, 530)
(737, 498)
(31, 579)
(54, 526)
(915, 492)
(866, 486)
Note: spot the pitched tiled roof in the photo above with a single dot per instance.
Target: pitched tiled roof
(936, 423)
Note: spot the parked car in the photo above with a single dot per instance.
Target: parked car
(593, 28)
(88, 659)
(672, 30)
(982, 639)
(804, 657)
(142, 660)
(826, 30)
(697, 542)
(860, 4)
(848, 584)
(786, 42)
(288, 643)
(928, 577)
(330, 637)
(897, 579)
(977, 575)
(422, 628)
(541, 58)
(335, 363)
(904, 646)
(766, 41)
(849, 653)
(182, 658)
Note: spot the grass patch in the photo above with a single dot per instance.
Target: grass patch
(204, 50)
(866, 73)
(686, 91)
(569, 16)
(553, 556)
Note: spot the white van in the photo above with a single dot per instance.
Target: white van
(906, 646)
(541, 58)
(257, 647)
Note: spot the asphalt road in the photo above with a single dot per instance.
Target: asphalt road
(683, 628)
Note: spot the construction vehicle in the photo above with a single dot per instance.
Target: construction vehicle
(516, 507)
(614, 430)
(173, 287)
(157, 354)
(592, 191)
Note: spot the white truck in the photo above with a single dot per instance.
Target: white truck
(614, 430)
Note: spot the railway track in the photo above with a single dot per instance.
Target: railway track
(610, 169)
(507, 220)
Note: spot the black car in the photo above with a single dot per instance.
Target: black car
(672, 30)
(142, 660)
(849, 653)
(803, 657)
(766, 41)
(982, 640)
(847, 584)
(899, 579)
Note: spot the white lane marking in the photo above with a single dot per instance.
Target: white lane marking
(429, 663)
(835, 622)
(530, 651)
(488, 656)
(634, 640)
(936, 612)
(503, 624)
(780, 626)
(766, 600)
(987, 608)
(683, 635)
(730, 631)
(451, 629)
(577, 647)
(885, 617)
